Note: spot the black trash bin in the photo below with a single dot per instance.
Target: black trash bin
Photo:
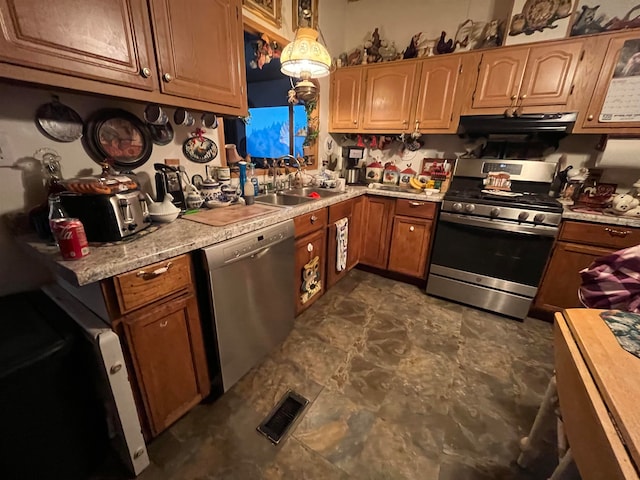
(52, 425)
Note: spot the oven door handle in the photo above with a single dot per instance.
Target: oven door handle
(541, 230)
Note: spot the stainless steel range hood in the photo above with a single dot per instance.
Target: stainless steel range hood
(528, 123)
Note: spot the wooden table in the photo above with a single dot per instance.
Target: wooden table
(598, 389)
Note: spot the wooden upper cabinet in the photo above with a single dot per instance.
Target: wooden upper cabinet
(93, 39)
(344, 110)
(436, 93)
(389, 97)
(592, 119)
(539, 76)
(199, 49)
(549, 75)
(500, 77)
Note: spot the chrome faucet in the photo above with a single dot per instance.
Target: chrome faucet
(276, 163)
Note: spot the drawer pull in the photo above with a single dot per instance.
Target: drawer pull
(313, 219)
(156, 273)
(164, 323)
(416, 204)
(412, 228)
(617, 233)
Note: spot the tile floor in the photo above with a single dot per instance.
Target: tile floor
(401, 386)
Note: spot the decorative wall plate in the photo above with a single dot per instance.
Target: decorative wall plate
(116, 134)
(59, 122)
(161, 134)
(200, 149)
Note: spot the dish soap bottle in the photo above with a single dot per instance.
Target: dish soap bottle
(253, 179)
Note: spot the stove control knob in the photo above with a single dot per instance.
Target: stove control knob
(495, 212)
(539, 218)
(469, 207)
(457, 207)
(523, 216)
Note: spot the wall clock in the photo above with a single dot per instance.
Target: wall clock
(199, 148)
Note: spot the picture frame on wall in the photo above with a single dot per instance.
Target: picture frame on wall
(268, 10)
(305, 14)
(538, 20)
(597, 17)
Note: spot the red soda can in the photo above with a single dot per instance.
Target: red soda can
(69, 233)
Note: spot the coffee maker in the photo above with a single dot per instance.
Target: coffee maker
(352, 171)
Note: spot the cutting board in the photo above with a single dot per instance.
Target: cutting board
(219, 217)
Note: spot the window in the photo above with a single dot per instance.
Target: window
(268, 131)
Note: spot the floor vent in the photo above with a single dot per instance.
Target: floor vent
(284, 414)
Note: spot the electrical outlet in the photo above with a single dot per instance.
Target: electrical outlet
(6, 153)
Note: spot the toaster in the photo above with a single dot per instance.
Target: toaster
(108, 217)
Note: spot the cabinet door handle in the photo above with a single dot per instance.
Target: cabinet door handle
(590, 118)
(523, 96)
(412, 228)
(145, 72)
(416, 204)
(313, 219)
(617, 233)
(355, 122)
(156, 273)
(164, 323)
(167, 77)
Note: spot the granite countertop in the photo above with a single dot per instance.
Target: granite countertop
(630, 221)
(176, 238)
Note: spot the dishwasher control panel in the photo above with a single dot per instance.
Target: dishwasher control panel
(254, 243)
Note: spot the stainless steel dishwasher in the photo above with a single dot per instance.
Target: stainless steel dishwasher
(251, 286)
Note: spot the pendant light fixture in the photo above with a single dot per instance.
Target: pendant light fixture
(305, 58)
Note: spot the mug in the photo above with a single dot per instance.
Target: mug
(223, 173)
(182, 117)
(154, 115)
(209, 120)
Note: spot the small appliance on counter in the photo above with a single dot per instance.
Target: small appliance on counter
(168, 181)
(351, 164)
(111, 208)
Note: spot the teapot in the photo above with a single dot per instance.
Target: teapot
(193, 197)
(164, 207)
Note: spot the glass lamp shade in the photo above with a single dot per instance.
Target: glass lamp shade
(305, 56)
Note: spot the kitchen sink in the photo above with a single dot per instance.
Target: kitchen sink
(282, 199)
(306, 191)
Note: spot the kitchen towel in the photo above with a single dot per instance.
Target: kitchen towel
(342, 236)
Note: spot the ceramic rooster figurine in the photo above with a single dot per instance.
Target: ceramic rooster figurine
(444, 46)
(412, 50)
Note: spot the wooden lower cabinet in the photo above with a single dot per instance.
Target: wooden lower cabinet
(307, 248)
(410, 242)
(378, 221)
(560, 284)
(578, 245)
(337, 212)
(167, 351)
(168, 357)
(354, 247)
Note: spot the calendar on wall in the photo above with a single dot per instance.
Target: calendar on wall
(622, 102)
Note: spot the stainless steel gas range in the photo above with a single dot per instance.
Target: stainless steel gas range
(490, 249)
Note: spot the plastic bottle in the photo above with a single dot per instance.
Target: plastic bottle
(254, 179)
(248, 193)
(243, 175)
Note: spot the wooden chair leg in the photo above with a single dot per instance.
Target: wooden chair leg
(566, 469)
(529, 444)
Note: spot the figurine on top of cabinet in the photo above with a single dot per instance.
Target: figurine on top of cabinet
(445, 46)
(355, 57)
(372, 47)
(412, 50)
